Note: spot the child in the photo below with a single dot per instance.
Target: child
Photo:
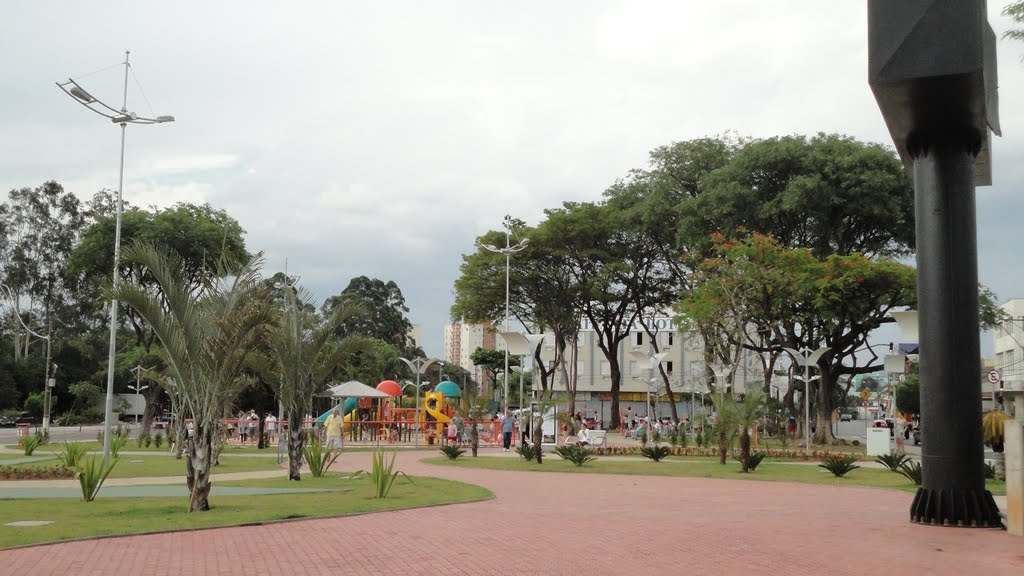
(453, 433)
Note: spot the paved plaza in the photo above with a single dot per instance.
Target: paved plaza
(572, 524)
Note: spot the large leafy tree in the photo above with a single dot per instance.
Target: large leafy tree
(40, 228)
(543, 292)
(803, 301)
(208, 334)
(383, 315)
(1015, 11)
(203, 239)
(829, 193)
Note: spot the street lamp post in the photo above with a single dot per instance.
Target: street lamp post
(122, 117)
(418, 366)
(138, 387)
(806, 358)
(508, 251)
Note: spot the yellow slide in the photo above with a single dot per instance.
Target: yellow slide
(440, 417)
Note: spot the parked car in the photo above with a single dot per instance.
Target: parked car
(846, 417)
(6, 422)
(24, 418)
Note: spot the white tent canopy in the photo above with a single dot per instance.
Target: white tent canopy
(355, 389)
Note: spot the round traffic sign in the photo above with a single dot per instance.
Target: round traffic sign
(993, 376)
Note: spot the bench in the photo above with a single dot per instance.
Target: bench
(597, 438)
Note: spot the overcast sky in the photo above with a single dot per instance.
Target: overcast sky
(380, 138)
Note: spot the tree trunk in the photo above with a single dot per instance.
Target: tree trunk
(745, 450)
(216, 442)
(537, 431)
(262, 443)
(180, 437)
(474, 439)
(616, 386)
(150, 395)
(823, 409)
(296, 440)
(723, 445)
(198, 467)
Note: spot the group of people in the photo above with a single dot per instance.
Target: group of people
(248, 426)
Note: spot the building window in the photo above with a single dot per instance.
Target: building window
(633, 367)
(668, 367)
(639, 338)
(606, 368)
(669, 337)
(579, 367)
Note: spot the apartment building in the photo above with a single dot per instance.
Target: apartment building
(1008, 358)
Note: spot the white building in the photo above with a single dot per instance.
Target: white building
(461, 340)
(683, 363)
(1008, 339)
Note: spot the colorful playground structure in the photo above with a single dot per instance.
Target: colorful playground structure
(393, 419)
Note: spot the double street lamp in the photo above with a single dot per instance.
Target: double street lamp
(138, 387)
(805, 358)
(508, 251)
(122, 117)
(418, 366)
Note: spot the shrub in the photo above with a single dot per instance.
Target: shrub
(116, 443)
(383, 476)
(673, 437)
(44, 436)
(856, 442)
(698, 437)
(452, 451)
(892, 460)
(838, 464)
(91, 475)
(755, 459)
(35, 472)
(656, 453)
(148, 441)
(158, 439)
(576, 454)
(72, 454)
(319, 457)
(138, 440)
(912, 471)
(527, 452)
(30, 443)
(656, 436)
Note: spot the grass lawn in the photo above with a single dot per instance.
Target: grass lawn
(105, 516)
(768, 470)
(135, 466)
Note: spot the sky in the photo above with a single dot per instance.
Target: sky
(381, 138)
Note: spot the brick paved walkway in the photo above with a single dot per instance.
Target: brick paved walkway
(547, 523)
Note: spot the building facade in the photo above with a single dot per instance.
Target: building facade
(1008, 358)
(462, 339)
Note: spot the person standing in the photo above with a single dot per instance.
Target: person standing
(271, 427)
(506, 430)
(333, 426)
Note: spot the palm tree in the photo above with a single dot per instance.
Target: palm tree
(299, 355)
(748, 413)
(992, 431)
(726, 422)
(1015, 11)
(207, 335)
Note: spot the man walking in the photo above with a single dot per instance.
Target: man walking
(333, 425)
(506, 429)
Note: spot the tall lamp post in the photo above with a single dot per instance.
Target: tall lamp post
(122, 117)
(418, 366)
(508, 251)
(805, 358)
(522, 345)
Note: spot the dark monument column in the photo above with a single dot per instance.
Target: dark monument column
(932, 70)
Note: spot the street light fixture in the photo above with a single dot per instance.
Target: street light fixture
(138, 387)
(122, 117)
(418, 366)
(805, 358)
(508, 251)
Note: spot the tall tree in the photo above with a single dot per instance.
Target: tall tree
(1015, 11)
(203, 239)
(208, 334)
(299, 355)
(805, 302)
(383, 313)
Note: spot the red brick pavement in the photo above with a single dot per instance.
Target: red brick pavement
(568, 524)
